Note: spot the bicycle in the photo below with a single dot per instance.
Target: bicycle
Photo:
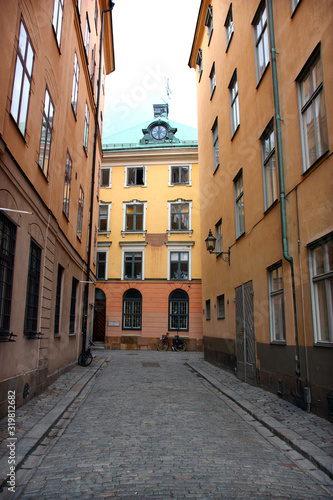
(177, 344)
(86, 357)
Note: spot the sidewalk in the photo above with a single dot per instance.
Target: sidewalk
(307, 433)
(34, 419)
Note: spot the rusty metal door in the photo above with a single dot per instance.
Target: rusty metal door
(246, 346)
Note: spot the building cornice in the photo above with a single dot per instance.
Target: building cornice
(154, 156)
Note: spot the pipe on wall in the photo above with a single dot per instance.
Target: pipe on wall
(286, 254)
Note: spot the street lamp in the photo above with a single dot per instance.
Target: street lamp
(210, 245)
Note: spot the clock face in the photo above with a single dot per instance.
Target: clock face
(159, 132)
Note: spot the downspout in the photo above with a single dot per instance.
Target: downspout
(281, 181)
(86, 291)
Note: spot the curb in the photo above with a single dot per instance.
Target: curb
(309, 450)
(26, 445)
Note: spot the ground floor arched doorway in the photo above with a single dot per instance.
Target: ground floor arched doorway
(99, 316)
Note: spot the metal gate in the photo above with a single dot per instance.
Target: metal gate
(246, 348)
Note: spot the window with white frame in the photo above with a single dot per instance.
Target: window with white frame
(216, 147)
(96, 15)
(22, 79)
(133, 261)
(220, 307)
(179, 216)
(58, 12)
(67, 186)
(198, 63)
(312, 110)
(93, 67)
(106, 177)
(80, 214)
(87, 36)
(239, 205)
(218, 236)
(209, 22)
(270, 174)
(229, 26)
(276, 303)
(102, 262)
(208, 312)
(234, 104)
(135, 176)
(179, 174)
(86, 129)
(260, 35)
(321, 275)
(212, 78)
(104, 218)
(134, 216)
(75, 86)
(46, 134)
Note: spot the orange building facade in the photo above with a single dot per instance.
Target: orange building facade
(49, 86)
(148, 255)
(265, 115)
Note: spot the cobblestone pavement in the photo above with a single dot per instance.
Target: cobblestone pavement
(145, 425)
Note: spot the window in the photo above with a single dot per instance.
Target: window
(209, 22)
(260, 35)
(7, 255)
(133, 265)
(80, 214)
(46, 134)
(87, 36)
(58, 301)
(212, 80)
(178, 310)
(276, 304)
(220, 307)
(134, 217)
(239, 205)
(218, 231)
(96, 15)
(179, 217)
(106, 177)
(67, 187)
(234, 104)
(104, 218)
(75, 87)
(32, 299)
(58, 11)
(269, 166)
(93, 67)
(132, 310)
(229, 26)
(208, 309)
(72, 314)
(312, 111)
(79, 6)
(179, 266)
(86, 129)
(198, 63)
(321, 273)
(22, 79)
(294, 4)
(101, 265)
(216, 147)
(135, 176)
(179, 174)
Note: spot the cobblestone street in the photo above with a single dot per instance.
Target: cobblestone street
(148, 426)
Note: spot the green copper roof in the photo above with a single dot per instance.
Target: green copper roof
(185, 136)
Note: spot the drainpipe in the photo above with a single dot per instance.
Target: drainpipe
(281, 181)
(86, 291)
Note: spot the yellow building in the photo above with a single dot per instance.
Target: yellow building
(265, 114)
(148, 256)
(48, 104)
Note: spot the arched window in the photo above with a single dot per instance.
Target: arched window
(132, 310)
(178, 310)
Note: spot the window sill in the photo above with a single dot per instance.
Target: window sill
(316, 163)
(212, 93)
(104, 233)
(189, 232)
(229, 41)
(142, 232)
(262, 75)
(268, 209)
(279, 342)
(323, 344)
(235, 132)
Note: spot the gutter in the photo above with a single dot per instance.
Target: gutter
(286, 255)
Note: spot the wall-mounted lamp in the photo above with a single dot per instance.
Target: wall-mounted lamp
(210, 244)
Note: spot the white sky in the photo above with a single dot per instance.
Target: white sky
(152, 43)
